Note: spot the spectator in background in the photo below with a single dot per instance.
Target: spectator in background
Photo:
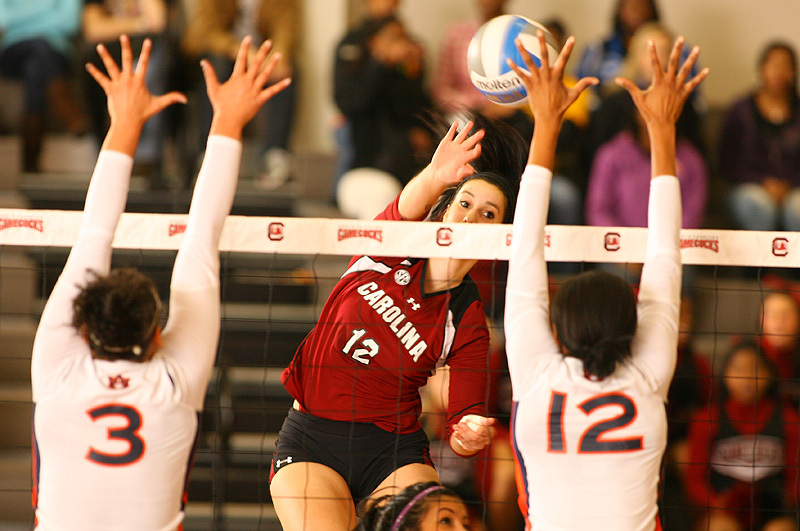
(604, 59)
(780, 326)
(759, 147)
(619, 180)
(214, 31)
(35, 48)
(378, 87)
(103, 22)
(743, 461)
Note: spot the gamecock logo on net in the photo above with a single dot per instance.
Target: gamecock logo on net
(613, 241)
(29, 223)
(780, 246)
(372, 234)
(275, 231)
(36, 224)
(176, 228)
(444, 237)
(710, 243)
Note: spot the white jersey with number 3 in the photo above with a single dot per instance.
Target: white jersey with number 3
(113, 440)
(589, 452)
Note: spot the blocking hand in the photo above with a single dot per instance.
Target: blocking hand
(237, 100)
(662, 102)
(129, 100)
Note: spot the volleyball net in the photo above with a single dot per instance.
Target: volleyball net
(276, 274)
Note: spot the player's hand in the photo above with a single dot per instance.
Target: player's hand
(548, 97)
(451, 160)
(473, 433)
(237, 101)
(662, 102)
(129, 101)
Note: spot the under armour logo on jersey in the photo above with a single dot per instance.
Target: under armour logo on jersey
(118, 382)
(280, 462)
(402, 277)
(414, 304)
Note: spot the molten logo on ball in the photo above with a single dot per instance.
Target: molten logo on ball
(491, 47)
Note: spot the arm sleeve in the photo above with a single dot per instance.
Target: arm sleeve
(56, 341)
(469, 374)
(655, 344)
(192, 331)
(527, 313)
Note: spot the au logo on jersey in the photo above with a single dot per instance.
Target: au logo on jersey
(275, 231)
(780, 246)
(402, 277)
(612, 241)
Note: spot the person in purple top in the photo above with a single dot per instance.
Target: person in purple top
(759, 147)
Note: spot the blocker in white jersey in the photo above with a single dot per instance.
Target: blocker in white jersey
(590, 373)
(116, 399)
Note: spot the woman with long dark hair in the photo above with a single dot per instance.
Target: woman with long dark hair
(590, 373)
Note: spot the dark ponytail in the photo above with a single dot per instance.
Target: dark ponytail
(594, 315)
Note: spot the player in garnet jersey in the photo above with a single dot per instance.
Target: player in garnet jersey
(589, 379)
(116, 398)
(388, 324)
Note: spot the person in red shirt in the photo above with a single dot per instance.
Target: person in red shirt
(743, 460)
(354, 431)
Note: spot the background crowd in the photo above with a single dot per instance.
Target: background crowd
(390, 98)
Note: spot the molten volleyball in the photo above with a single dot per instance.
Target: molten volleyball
(491, 47)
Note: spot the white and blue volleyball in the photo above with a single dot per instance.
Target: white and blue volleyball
(489, 50)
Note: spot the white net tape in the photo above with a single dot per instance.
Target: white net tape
(51, 228)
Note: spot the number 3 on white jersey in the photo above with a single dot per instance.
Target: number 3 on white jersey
(594, 439)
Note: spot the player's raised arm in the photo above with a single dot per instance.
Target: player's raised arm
(449, 165)
(527, 307)
(130, 104)
(660, 105)
(194, 301)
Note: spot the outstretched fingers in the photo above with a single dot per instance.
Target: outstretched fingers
(127, 54)
(144, 58)
(675, 56)
(162, 102)
(98, 76)
(210, 76)
(108, 62)
(658, 72)
(240, 66)
(696, 80)
(273, 89)
(257, 67)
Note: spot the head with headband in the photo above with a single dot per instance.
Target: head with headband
(118, 314)
(420, 507)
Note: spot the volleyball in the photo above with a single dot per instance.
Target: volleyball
(491, 47)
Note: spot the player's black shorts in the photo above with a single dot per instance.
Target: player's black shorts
(362, 453)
